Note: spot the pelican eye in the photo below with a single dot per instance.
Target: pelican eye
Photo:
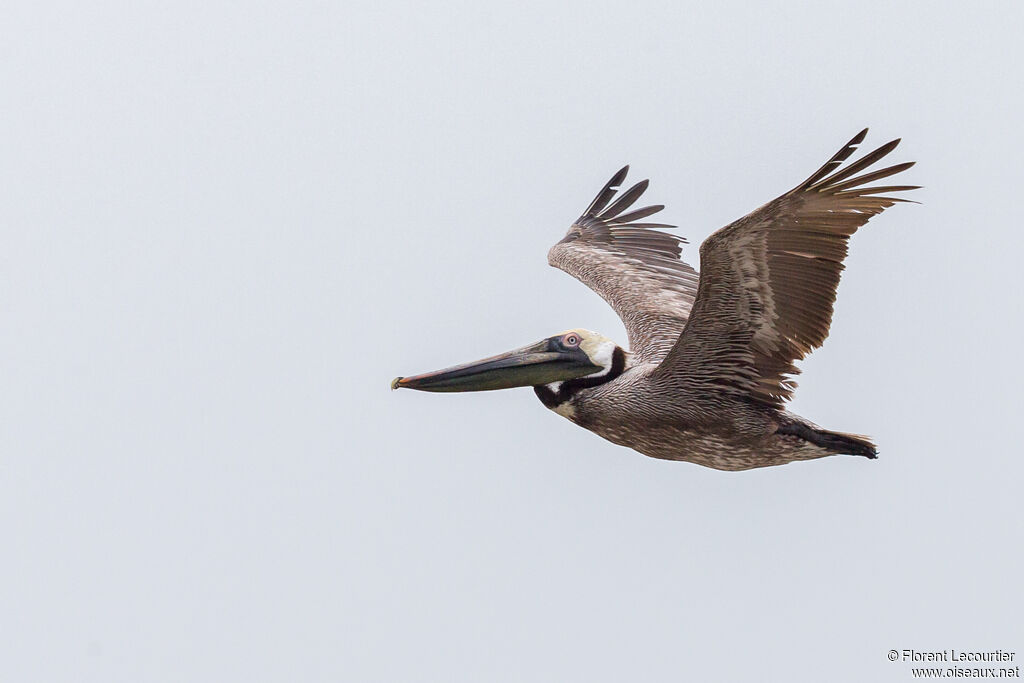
(571, 340)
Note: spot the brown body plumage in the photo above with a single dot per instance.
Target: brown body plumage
(712, 355)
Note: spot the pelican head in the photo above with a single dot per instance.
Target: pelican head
(571, 355)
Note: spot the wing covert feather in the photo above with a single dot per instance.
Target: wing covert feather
(768, 281)
(633, 266)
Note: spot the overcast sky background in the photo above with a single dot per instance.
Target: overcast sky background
(226, 228)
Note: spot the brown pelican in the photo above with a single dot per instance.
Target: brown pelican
(712, 355)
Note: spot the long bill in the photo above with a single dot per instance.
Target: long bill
(542, 363)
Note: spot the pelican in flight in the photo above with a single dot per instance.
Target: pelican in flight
(711, 356)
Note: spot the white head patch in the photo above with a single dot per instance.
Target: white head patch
(600, 350)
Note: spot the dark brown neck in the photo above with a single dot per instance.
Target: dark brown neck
(570, 387)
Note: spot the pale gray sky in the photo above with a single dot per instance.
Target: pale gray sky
(226, 227)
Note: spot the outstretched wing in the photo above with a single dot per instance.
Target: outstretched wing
(768, 280)
(634, 267)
